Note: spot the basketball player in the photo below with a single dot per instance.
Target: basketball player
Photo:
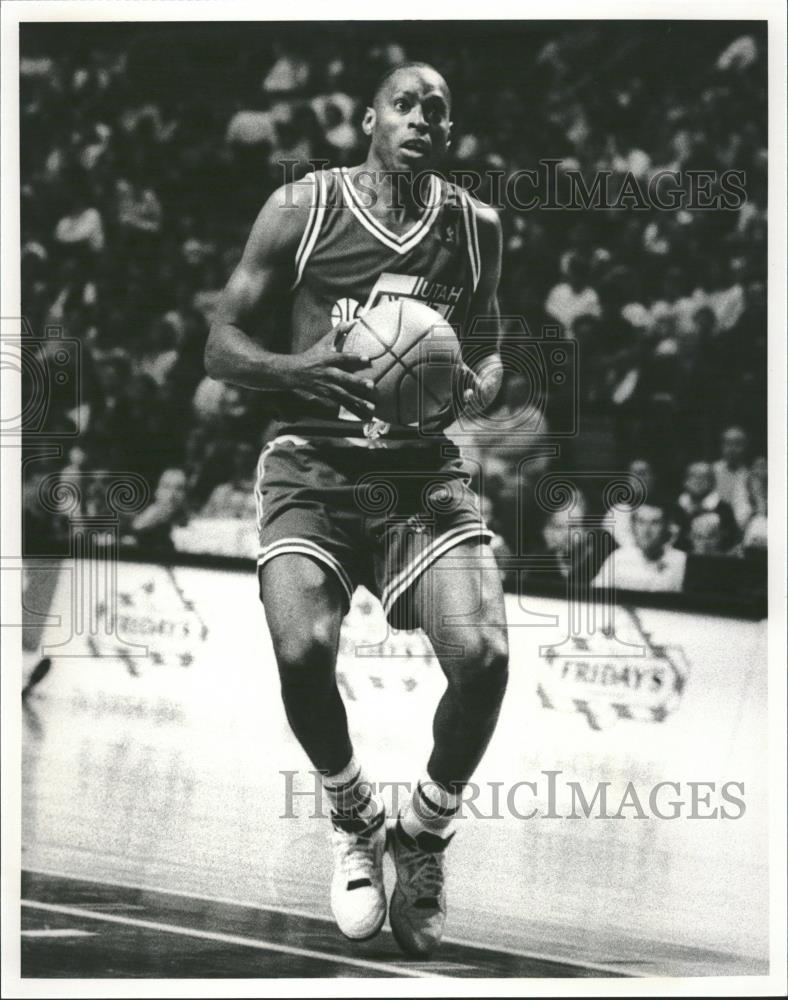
(338, 242)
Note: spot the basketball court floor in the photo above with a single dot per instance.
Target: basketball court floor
(160, 837)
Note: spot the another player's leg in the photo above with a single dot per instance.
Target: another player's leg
(304, 607)
(462, 611)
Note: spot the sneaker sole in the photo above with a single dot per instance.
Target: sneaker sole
(367, 937)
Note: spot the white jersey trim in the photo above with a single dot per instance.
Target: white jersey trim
(314, 223)
(472, 236)
(398, 243)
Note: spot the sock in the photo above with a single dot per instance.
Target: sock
(431, 809)
(350, 793)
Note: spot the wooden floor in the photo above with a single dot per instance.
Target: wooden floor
(73, 927)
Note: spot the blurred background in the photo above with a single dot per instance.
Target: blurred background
(147, 151)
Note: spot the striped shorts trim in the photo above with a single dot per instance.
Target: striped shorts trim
(405, 579)
(306, 547)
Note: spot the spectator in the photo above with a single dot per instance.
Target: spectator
(235, 499)
(340, 134)
(256, 126)
(731, 473)
(572, 550)
(573, 297)
(138, 207)
(721, 294)
(288, 74)
(158, 356)
(207, 401)
(701, 497)
(651, 564)
(618, 520)
(756, 530)
(705, 535)
(82, 224)
(151, 528)
(559, 543)
(675, 303)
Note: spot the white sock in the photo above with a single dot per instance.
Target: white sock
(350, 793)
(431, 809)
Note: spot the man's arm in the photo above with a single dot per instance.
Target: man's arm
(484, 314)
(233, 354)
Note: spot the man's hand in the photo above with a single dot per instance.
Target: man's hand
(237, 352)
(326, 373)
(483, 384)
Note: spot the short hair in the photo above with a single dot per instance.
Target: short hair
(409, 64)
(662, 504)
(700, 463)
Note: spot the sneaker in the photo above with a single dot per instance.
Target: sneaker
(358, 899)
(418, 904)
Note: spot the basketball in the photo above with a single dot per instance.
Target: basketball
(414, 353)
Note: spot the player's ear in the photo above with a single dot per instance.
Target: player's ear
(368, 121)
(448, 137)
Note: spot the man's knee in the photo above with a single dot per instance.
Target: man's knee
(306, 650)
(303, 615)
(483, 667)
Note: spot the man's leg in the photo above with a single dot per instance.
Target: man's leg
(461, 609)
(304, 607)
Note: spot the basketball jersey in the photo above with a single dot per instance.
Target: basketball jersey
(348, 262)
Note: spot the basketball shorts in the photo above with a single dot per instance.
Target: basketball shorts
(366, 516)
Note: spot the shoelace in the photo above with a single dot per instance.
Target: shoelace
(356, 853)
(425, 872)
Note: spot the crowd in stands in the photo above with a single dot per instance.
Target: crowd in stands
(145, 157)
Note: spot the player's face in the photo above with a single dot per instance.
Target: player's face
(410, 121)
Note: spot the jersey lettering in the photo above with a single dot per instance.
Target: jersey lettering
(348, 262)
(435, 294)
